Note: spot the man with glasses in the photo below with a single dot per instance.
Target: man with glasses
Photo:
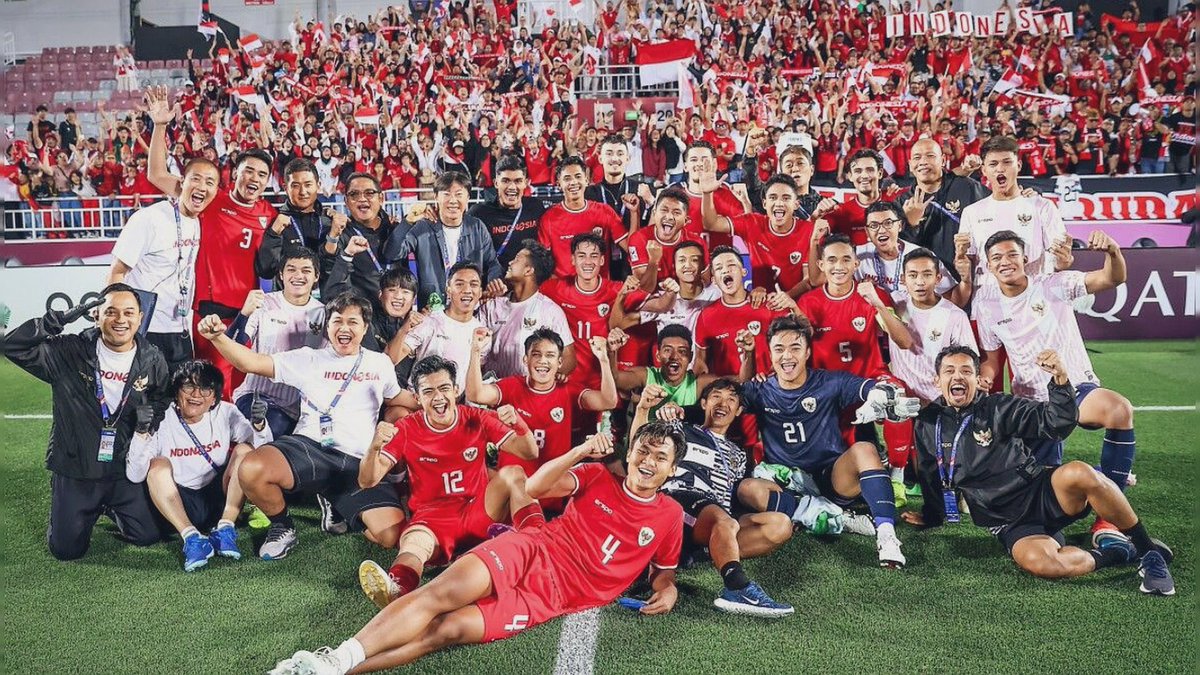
(881, 260)
(510, 216)
(356, 250)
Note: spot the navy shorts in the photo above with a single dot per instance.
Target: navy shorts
(823, 477)
(317, 469)
(1050, 451)
(205, 505)
(1043, 515)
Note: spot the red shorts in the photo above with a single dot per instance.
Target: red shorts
(525, 591)
(456, 526)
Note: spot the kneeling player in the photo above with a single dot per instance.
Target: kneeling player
(975, 442)
(444, 449)
(610, 532)
(798, 413)
(704, 484)
(201, 439)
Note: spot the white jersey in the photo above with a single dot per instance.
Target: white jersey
(1040, 318)
(439, 335)
(684, 312)
(218, 432)
(114, 373)
(162, 260)
(889, 274)
(1034, 219)
(279, 326)
(512, 323)
(932, 330)
(320, 374)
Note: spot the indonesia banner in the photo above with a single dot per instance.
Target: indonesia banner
(250, 42)
(367, 116)
(659, 62)
(248, 94)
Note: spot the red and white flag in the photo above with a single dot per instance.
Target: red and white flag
(659, 62)
(208, 29)
(250, 42)
(688, 96)
(1147, 55)
(1009, 81)
(1024, 60)
(319, 35)
(248, 94)
(368, 115)
(223, 55)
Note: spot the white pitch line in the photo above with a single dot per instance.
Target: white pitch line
(577, 643)
(28, 417)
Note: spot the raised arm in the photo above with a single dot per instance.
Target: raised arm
(242, 357)
(161, 114)
(1113, 273)
(477, 390)
(552, 479)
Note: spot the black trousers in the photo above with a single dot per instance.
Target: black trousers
(76, 505)
(175, 347)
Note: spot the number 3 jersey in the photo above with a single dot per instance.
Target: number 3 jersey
(799, 427)
(230, 233)
(446, 464)
(607, 536)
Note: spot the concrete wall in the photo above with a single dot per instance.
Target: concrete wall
(36, 24)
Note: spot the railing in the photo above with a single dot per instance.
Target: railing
(611, 81)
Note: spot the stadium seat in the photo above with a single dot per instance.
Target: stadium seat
(154, 65)
(62, 96)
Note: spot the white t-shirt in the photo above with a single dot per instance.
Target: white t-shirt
(162, 259)
(319, 374)
(684, 312)
(1035, 219)
(325, 177)
(889, 274)
(279, 326)
(218, 432)
(440, 335)
(452, 235)
(932, 330)
(512, 322)
(114, 373)
(1040, 318)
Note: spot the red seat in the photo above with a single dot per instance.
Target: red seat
(153, 65)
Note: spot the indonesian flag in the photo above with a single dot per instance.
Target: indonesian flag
(659, 62)
(1024, 60)
(318, 35)
(1008, 81)
(223, 55)
(258, 63)
(1143, 31)
(1146, 56)
(368, 115)
(248, 94)
(208, 29)
(688, 96)
(250, 42)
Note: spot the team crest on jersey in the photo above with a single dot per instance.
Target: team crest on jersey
(315, 329)
(809, 404)
(935, 335)
(141, 383)
(530, 321)
(602, 309)
(262, 220)
(859, 323)
(1038, 308)
(556, 414)
(795, 257)
(471, 453)
(1024, 218)
(755, 327)
(953, 206)
(983, 438)
(598, 231)
(645, 536)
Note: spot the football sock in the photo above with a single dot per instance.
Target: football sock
(349, 654)
(529, 517)
(1110, 557)
(734, 576)
(189, 532)
(876, 488)
(1116, 455)
(282, 518)
(405, 577)
(1141, 540)
(224, 523)
(783, 502)
(898, 474)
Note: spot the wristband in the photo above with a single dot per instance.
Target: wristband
(521, 427)
(347, 258)
(331, 240)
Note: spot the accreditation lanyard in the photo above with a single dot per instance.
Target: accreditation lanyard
(370, 251)
(110, 417)
(890, 285)
(296, 227)
(338, 397)
(196, 441)
(946, 470)
(511, 229)
(183, 263)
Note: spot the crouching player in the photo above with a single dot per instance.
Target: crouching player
(610, 532)
(704, 484)
(798, 413)
(190, 464)
(975, 442)
(444, 449)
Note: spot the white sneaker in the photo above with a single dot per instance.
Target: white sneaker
(858, 523)
(320, 662)
(280, 540)
(888, 546)
(377, 584)
(331, 522)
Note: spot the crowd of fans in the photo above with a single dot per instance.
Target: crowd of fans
(415, 91)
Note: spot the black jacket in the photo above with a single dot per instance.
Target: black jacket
(936, 229)
(69, 364)
(313, 227)
(361, 273)
(993, 468)
(808, 200)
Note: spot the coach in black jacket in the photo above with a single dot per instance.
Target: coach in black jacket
(1024, 503)
(85, 481)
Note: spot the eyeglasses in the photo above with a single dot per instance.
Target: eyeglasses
(192, 390)
(362, 194)
(883, 223)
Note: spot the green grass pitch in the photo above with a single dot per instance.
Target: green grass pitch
(960, 606)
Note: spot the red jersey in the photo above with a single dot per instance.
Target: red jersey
(607, 537)
(587, 314)
(774, 258)
(639, 257)
(850, 217)
(727, 205)
(548, 414)
(559, 225)
(717, 328)
(230, 233)
(446, 465)
(845, 332)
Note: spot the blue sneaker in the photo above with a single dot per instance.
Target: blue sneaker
(224, 540)
(196, 552)
(1109, 540)
(751, 601)
(1156, 578)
